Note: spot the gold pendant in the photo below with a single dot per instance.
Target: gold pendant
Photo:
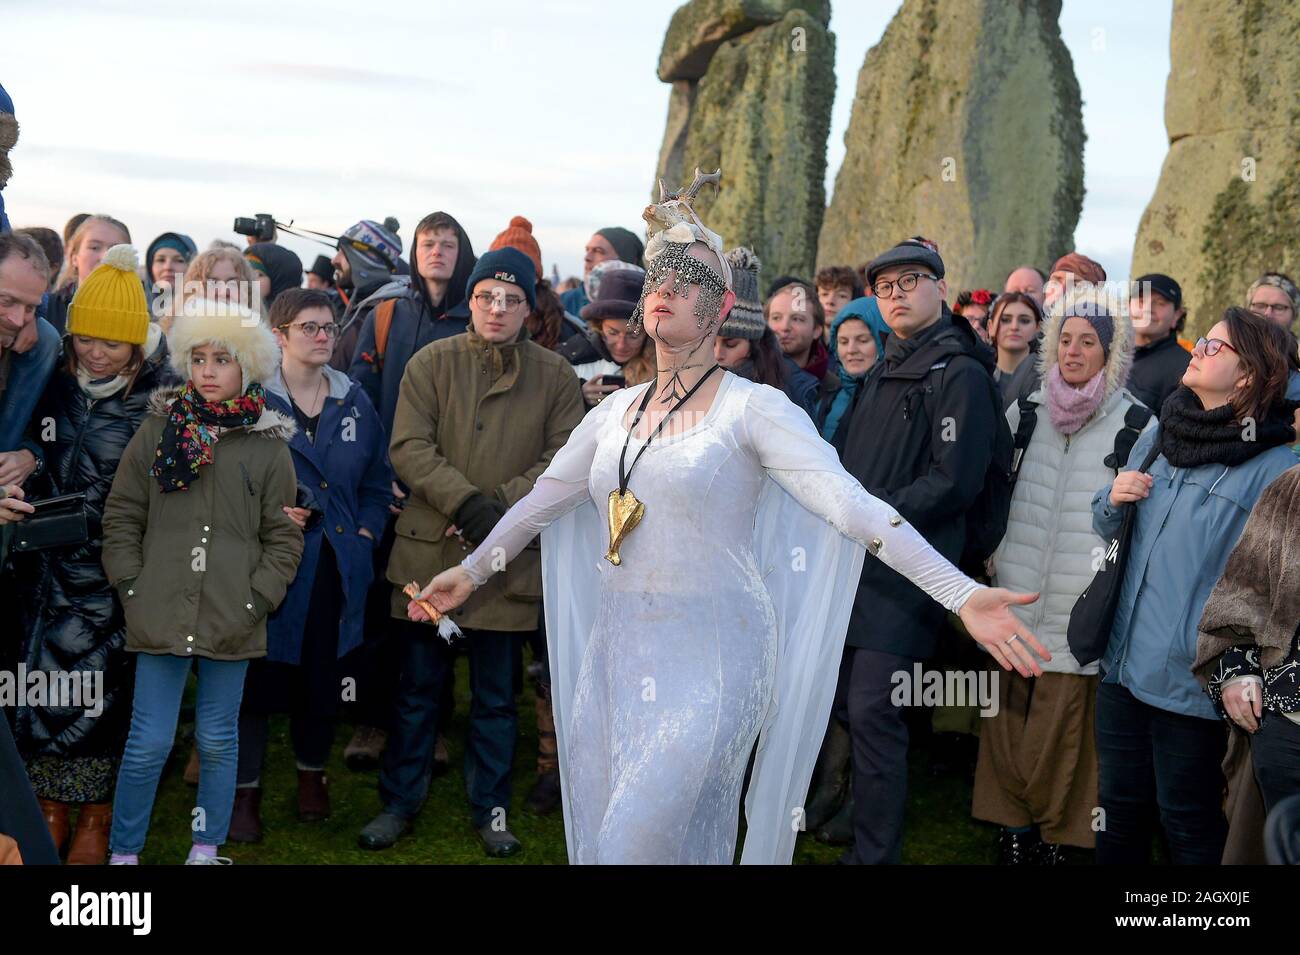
(624, 514)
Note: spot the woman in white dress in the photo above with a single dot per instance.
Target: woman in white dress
(718, 619)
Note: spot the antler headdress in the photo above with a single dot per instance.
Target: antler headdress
(672, 225)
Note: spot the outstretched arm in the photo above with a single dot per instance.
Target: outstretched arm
(560, 488)
(549, 500)
(808, 468)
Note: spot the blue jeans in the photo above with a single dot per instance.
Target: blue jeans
(159, 686)
(493, 719)
(28, 374)
(1154, 762)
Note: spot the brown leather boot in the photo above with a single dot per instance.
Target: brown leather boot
(56, 818)
(90, 839)
(191, 774)
(313, 795)
(246, 816)
(544, 797)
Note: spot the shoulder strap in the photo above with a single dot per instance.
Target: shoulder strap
(1024, 431)
(1135, 419)
(383, 324)
(1152, 454)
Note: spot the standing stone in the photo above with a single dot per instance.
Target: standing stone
(966, 128)
(1227, 206)
(758, 107)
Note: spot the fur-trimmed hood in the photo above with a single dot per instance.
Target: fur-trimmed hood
(8, 138)
(239, 330)
(271, 424)
(1120, 359)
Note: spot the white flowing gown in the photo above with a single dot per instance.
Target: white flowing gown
(723, 625)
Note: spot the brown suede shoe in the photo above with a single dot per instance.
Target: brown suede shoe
(191, 775)
(56, 818)
(246, 817)
(366, 748)
(90, 840)
(313, 795)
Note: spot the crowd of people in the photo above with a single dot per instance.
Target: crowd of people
(226, 467)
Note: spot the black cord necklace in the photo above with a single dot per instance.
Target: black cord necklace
(625, 511)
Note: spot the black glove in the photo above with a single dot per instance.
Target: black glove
(477, 516)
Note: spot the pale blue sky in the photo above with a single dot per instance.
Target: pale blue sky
(177, 117)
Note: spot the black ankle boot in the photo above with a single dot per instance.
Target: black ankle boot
(1049, 853)
(1018, 848)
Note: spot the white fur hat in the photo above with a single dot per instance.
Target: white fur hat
(232, 326)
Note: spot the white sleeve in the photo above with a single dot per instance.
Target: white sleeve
(797, 458)
(559, 489)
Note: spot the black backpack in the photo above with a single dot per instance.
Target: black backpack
(986, 519)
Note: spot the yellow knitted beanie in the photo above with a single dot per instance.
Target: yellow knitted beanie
(110, 304)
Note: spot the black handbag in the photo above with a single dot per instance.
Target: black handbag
(1094, 612)
(57, 522)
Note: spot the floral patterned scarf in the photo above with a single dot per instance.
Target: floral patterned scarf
(191, 432)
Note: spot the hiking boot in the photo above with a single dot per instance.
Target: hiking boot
(545, 794)
(246, 816)
(839, 830)
(313, 795)
(499, 843)
(365, 749)
(830, 778)
(383, 831)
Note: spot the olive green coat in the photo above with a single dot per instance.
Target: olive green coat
(476, 417)
(198, 570)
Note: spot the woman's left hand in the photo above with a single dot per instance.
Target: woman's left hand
(989, 620)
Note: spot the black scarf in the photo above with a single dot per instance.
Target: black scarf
(1190, 436)
(899, 349)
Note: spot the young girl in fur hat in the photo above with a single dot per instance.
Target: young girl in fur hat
(199, 544)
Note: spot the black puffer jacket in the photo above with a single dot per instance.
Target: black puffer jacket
(72, 620)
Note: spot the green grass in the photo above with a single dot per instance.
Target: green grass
(939, 826)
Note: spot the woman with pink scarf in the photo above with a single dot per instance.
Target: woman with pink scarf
(1037, 770)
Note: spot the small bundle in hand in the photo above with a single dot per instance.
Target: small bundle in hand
(447, 628)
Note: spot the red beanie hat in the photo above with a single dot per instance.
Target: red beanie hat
(519, 235)
(1080, 266)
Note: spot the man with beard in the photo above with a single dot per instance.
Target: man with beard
(368, 256)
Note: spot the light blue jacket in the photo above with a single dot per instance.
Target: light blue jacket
(1183, 535)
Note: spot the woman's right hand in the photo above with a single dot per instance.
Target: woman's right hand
(298, 515)
(1243, 703)
(12, 506)
(594, 390)
(446, 592)
(1130, 487)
